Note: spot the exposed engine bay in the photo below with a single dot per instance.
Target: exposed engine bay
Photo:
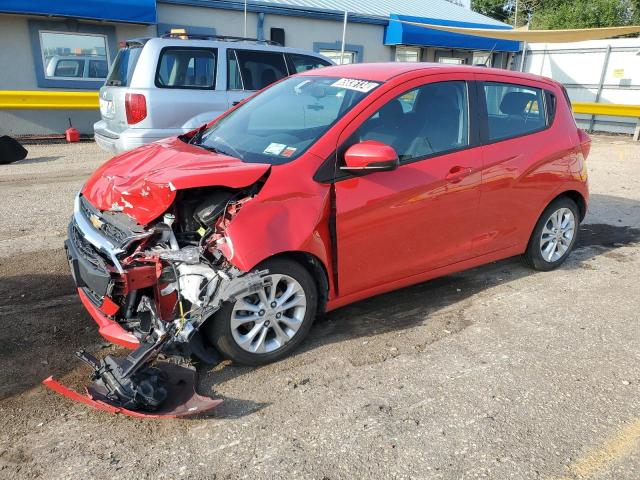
(152, 288)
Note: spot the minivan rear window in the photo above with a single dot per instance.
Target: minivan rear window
(123, 67)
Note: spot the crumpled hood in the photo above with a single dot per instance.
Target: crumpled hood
(143, 182)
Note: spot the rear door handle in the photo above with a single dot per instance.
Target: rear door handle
(457, 173)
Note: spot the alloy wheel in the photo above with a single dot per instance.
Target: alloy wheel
(265, 321)
(557, 235)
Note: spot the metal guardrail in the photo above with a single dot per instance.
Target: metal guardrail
(610, 109)
(45, 100)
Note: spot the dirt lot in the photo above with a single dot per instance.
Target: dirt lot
(495, 373)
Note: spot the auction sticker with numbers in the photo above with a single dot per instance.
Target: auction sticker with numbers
(363, 86)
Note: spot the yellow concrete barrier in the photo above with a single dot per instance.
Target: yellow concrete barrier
(611, 109)
(52, 100)
(45, 100)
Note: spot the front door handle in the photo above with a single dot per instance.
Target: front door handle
(457, 173)
(233, 104)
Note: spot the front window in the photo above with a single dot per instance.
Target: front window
(302, 63)
(428, 120)
(66, 55)
(254, 69)
(279, 124)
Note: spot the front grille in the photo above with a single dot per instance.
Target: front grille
(86, 249)
(111, 231)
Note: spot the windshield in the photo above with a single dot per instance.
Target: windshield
(279, 124)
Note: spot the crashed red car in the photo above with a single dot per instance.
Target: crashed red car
(324, 189)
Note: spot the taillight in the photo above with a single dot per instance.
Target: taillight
(136, 107)
(585, 142)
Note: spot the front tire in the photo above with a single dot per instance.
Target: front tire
(554, 236)
(266, 326)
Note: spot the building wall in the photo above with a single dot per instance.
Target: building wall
(19, 74)
(299, 32)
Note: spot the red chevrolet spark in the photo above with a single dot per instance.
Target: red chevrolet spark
(325, 189)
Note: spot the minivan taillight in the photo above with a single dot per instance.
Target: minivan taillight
(136, 107)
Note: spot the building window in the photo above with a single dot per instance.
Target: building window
(75, 56)
(482, 58)
(451, 60)
(334, 55)
(71, 55)
(407, 54)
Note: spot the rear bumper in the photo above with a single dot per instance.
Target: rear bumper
(130, 138)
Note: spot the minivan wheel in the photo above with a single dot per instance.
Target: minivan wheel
(266, 326)
(554, 236)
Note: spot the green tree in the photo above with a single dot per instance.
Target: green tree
(582, 14)
(560, 14)
(497, 9)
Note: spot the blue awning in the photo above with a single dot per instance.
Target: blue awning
(397, 33)
(128, 11)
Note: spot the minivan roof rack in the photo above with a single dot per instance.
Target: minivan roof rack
(224, 38)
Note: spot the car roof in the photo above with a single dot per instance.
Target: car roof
(383, 72)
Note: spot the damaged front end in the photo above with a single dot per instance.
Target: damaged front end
(150, 289)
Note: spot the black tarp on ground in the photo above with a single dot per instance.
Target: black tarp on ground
(11, 150)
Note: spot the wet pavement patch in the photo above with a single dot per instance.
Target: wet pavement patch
(605, 235)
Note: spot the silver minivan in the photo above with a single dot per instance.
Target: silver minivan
(161, 87)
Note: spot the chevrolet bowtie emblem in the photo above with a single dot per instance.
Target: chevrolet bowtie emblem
(95, 221)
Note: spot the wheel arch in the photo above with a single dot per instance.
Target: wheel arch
(316, 269)
(577, 197)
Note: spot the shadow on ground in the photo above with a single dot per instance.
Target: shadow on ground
(42, 323)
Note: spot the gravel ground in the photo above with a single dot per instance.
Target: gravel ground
(497, 372)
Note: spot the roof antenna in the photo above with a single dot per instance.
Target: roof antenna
(490, 53)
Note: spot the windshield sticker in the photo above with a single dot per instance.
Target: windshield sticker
(352, 84)
(274, 148)
(289, 151)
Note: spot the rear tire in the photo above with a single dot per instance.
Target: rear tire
(554, 236)
(265, 327)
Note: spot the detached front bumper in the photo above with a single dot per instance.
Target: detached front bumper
(108, 328)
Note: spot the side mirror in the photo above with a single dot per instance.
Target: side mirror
(370, 155)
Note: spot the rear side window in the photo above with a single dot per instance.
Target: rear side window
(123, 67)
(69, 68)
(254, 69)
(513, 110)
(302, 63)
(97, 69)
(191, 68)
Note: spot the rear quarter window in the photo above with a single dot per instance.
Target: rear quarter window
(123, 67)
